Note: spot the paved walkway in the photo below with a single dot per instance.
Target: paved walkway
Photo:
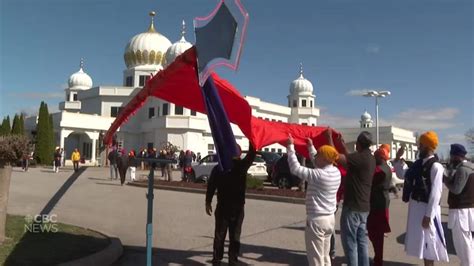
(273, 232)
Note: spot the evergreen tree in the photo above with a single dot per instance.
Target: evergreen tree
(22, 125)
(3, 131)
(52, 142)
(43, 140)
(16, 126)
(5, 128)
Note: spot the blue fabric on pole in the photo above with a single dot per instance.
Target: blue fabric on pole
(224, 140)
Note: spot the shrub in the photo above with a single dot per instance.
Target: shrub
(12, 148)
(254, 183)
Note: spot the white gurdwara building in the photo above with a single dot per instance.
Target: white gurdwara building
(394, 136)
(88, 111)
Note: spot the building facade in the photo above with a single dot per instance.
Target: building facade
(393, 136)
(88, 111)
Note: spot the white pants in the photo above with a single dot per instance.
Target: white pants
(132, 173)
(424, 243)
(318, 239)
(461, 223)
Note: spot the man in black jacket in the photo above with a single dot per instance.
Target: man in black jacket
(229, 212)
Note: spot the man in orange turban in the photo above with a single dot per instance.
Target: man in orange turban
(323, 183)
(422, 189)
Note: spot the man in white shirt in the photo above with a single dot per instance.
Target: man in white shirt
(323, 183)
(422, 190)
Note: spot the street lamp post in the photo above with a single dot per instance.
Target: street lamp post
(377, 95)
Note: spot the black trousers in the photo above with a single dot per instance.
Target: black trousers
(76, 165)
(227, 218)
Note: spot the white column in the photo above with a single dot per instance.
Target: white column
(93, 151)
(61, 139)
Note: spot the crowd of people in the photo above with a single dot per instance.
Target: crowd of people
(120, 160)
(361, 180)
(59, 159)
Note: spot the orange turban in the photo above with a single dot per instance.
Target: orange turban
(429, 139)
(385, 147)
(382, 152)
(329, 153)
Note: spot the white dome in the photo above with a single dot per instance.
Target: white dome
(301, 85)
(80, 79)
(147, 48)
(177, 48)
(366, 116)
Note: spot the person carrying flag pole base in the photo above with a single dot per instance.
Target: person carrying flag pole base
(229, 212)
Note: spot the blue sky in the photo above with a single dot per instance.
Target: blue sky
(422, 51)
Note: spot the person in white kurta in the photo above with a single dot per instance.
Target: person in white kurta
(424, 236)
(459, 179)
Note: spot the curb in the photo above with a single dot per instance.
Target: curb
(107, 256)
(247, 195)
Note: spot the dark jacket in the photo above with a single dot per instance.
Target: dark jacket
(460, 183)
(187, 161)
(132, 161)
(113, 155)
(358, 182)
(379, 197)
(230, 185)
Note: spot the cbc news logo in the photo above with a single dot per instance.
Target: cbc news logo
(41, 223)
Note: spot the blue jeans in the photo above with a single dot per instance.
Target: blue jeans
(354, 238)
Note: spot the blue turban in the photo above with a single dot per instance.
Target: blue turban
(458, 150)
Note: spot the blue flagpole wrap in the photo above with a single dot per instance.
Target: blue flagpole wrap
(224, 140)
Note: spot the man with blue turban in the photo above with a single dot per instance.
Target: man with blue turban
(459, 179)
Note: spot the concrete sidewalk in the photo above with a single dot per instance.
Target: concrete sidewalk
(273, 232)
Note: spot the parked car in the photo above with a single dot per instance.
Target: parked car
(202, 170)
(270, 159)
(281, 176)
(258, 168)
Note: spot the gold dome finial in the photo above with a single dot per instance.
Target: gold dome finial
(152, 27)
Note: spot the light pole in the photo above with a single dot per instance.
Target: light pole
(377, 95)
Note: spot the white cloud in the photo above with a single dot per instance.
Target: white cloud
(38, 95)
(425, 119)
(337, 121)
(357, 92)
(372, 48)
(413, 119)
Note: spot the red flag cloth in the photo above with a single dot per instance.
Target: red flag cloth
(178, 84)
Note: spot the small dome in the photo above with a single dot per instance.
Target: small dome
(301, 85)
(147, 48)
(80, 80)
(177, 48)
(366, 116)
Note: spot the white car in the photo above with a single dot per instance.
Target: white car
(202, 170)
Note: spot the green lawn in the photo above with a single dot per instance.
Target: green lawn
(68, 243)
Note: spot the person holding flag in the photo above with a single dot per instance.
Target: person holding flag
(378, 219)
(323, 183)
(229, 213)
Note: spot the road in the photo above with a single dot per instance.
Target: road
(273, 232)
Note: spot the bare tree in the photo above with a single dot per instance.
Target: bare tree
(470, 141)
